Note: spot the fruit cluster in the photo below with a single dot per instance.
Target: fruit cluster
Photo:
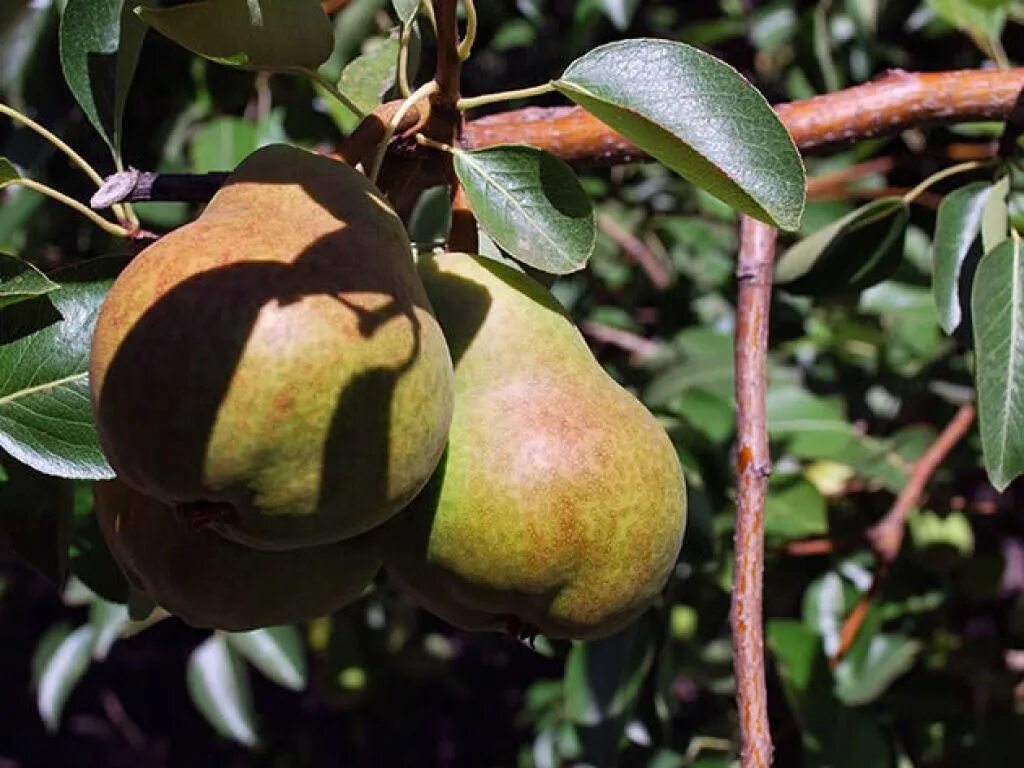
(290, 403)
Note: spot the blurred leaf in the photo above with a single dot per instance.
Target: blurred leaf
(953, 531)
(956, 228)
(694, 113)
(406, 9)
(277, 652)
(89, 556)
(19, 280)
(873, 663)
(36, 516)
(602, 677)
(853, 252)
(997, 309)
(218, 683)
(369, 76)
(531, 204)
(100, 43)
(8, 173)
(995, 217)
(981, 21)
(223, 143)
(431, 218)
(794, 509)
(107, 620)
(23, 27)
(620, 12)
(60, 672)
(253, 34)
(45, 414)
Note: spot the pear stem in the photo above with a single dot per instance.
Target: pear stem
(107, 226)
(423, 92)
(945, 173)
(466, 46)
(324, 82)
(473, 102)
(753, 465)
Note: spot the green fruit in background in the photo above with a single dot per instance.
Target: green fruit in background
(209, 581)
(278, 357)
(560, 504)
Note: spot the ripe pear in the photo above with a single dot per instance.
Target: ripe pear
(560, 504)
(277, 358)
(210, 581)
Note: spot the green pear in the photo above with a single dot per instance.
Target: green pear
(560, 504)
(276, 359)
(209, 581)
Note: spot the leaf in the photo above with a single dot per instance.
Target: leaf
(36, 517)
(19, 280)
(871, 666)
(957, 225)
(45, 414)
(531, 204)
(794, 509)
(699, 117)
(277, 652)
(973, 18)
(370, 75)
(854, 252)
(100, 43)
(23, 31)
(252, 34)
(219, 686)
(406, 9)
(620, 12)
(997, 309)
(107, 620)
(603, 677)
(995, 217)
(61, 671)
(89, 556)
(8, 173)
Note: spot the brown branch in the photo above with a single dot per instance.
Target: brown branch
(637, 346)
(333, 6)
(637, 250)
(753, 465)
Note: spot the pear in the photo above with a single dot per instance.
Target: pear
(209, 581)
(560, 504)
(276, 360)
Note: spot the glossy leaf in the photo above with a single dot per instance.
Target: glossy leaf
(100, 43)
(19, 280)
(854, 252)
(995, 217)
(45, 414)
(277, 652)
(36, 517)
(997, 309)
(698, 116)
(531, 204)
(956, 228)
(219, 685)
(252, 34)
(61, 672)
(370, 75)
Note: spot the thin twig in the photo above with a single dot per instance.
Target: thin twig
(754, 277)
(637, 346)
(636, 250)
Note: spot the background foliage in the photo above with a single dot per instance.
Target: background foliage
(860, 382)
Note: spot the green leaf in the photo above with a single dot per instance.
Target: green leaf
(794, 509)
(531, 204)
(108, 620)
(19, 280)
(218, 683)
(100, 43)
(36, 517)
(252, 34)
(370, 75)
(997, 309)
(699, 117)
(603, 677)
(89, 556)
(871, 666)
(854, 252)
(980, 22)
(60, 672)
(995, 217)
(406, 9)
(277, 652)
(620, 12)
(23, 32)
(45, 414)
(8, 173)
(957, 225)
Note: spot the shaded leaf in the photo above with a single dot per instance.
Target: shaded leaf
(531, 204)
(100, 43)
(854, 252)
(36, 517)
(219, 685)
(277, 652)
(89, 556)
(108, 620)
(45, 413)
(19, 280)
(406, 9)
(602, 677)
(997, 309)
(61, 672)
(871, 666)
(794, 509)
(698, 116)
(995, 217)
(253, 34)
(23, 28)
(957, 226)
(370, 75)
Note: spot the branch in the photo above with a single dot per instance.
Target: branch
(897, 101)
(753, 465)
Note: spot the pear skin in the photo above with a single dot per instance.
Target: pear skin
(209, 581)
(276, 358)
(560, 504)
